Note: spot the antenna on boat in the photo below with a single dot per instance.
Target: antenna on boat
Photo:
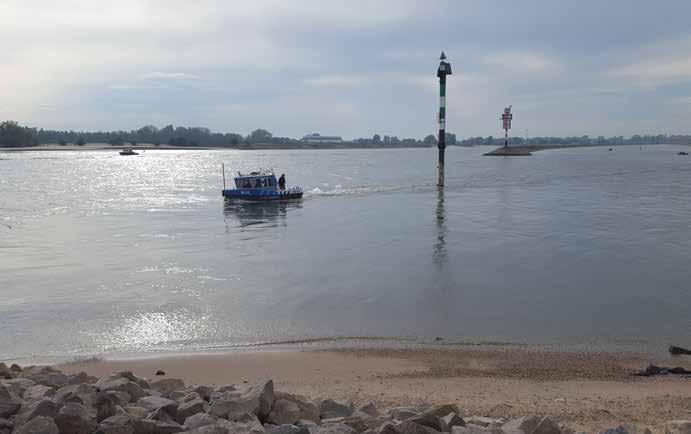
(223, 168)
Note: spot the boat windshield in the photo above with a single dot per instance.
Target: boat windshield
(255, 182)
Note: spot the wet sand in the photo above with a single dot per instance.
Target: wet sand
(584, 390)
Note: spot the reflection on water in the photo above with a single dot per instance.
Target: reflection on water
(440, 244)
(264, 215)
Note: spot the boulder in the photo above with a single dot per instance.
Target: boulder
(120, 384)
(130, 376)
(9, 402)
(153, 403)
(118, 419)
(306, 422)
(332, 429)
(678, 427)
(210, 429)
(430, 420)
(547, 426)
(38, 391)
(81, 378)
(522, 425)
(231, 407)
(483, 421)
(135, 412)
(118, 424)
(452, 419)
(443, 410)
(74, 419)
(409, 427)
(167, 385)
(189, 408)
(284, 412)
(39, 425)
(190, 397)
(247, 424)
(288, 429)
(203, 391)
(356, 423)
(200, 419)
(388, 428)
(475, 429)
(403, 413)
(45, 375)
(369, 409)
(376, 422)
(150, 426)
(162, 415)
(42, 407)
(256, 400)
(308, 409)
(6, 425)
(106, 404)
(264, 393)
(329, 409)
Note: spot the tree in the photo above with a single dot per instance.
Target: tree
(80, 141)
(450, 138)
(430, 140)
(62, 142)
(376, 139)
(13, 135)
(259, 136)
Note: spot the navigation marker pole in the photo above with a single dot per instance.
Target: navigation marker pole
(442, 72)
(506, 123)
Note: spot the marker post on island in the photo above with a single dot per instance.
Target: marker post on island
(443, 70)
(506, 124)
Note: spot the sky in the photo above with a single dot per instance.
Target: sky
(351, 68)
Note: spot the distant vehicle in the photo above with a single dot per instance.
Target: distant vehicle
(261, 185)
(128, 151)
(682, 153)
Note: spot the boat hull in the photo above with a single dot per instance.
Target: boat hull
(261, 195)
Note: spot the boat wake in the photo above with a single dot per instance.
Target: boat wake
(338, 190)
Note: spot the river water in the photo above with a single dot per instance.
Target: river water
(582, 248)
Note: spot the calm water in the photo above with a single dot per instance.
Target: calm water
(580, 247)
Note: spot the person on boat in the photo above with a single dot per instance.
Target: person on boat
(282, 181)
(247, 184)
(258, 183)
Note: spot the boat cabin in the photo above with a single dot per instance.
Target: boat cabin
(256, 180)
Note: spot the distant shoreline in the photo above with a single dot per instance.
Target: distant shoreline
(271, 146)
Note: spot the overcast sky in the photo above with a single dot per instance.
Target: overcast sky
(352, 68)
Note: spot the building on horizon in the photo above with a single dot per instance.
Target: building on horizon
(318, 138)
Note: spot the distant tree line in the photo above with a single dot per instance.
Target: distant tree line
(14, 135)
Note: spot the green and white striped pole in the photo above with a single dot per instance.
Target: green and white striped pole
(442, 72)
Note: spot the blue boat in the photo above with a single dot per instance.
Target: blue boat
(261, 185)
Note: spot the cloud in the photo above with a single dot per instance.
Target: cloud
(168, 76)
(343, 81)
(656, 72)
(522, 62)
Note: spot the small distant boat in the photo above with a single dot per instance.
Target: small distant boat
(682, 153)
(261, 185)
(128, 151)
(610, 149)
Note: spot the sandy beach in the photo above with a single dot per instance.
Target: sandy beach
(584, 390)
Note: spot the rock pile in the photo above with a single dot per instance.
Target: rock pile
(43, 400)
